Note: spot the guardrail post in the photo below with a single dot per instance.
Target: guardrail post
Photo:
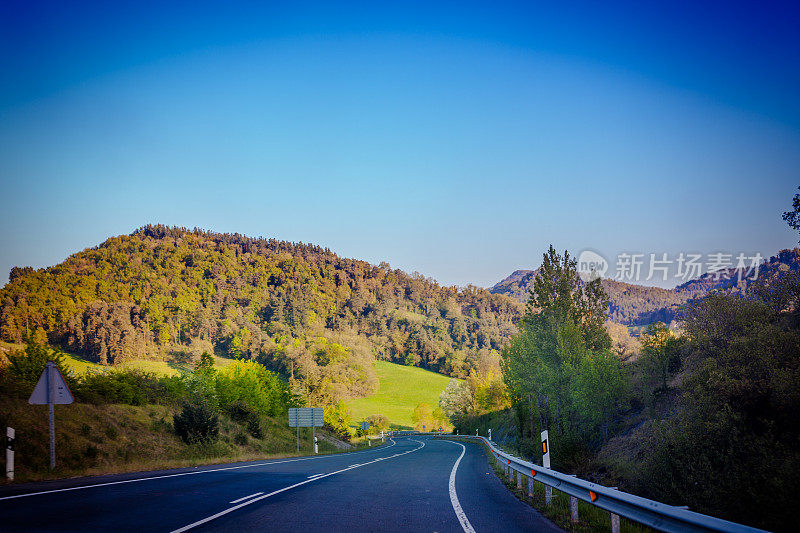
(519, 480)
(573, 507)
(530, 487)
(614, 523)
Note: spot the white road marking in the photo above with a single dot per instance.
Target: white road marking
(284, 489)
(462, 517)
(309, 477)
(247, 497)
(183, 474)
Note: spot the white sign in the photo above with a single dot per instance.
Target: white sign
(51, 388)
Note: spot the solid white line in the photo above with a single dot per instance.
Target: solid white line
(309, 477)
(284, 489)
(247, 497)
(462, 517)
(182, 474)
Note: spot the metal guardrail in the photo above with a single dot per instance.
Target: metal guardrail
(650, 513)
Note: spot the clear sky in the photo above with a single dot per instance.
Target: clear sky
(454, 139)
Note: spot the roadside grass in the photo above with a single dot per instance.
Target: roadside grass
(401, 388)
(591, 518)
(105, 439)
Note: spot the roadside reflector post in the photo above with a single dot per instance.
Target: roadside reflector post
(10, 453)
(614, 523)
(476, 432)
(573, 507)
(548, 490)
(490, 434)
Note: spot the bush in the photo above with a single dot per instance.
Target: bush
(254, 428)
(196, 424)
(240, 412)
(240, 439)
(129, 387)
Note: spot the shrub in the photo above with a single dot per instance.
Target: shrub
(240, 439)
(240, 412)
(254, 428)
(196, 423)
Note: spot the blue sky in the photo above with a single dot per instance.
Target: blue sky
(454, 139)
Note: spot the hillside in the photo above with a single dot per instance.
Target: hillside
(99, 439)
(400, 390)
(319, 320)
(636, 305)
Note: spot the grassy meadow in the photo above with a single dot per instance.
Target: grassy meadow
(401, 389)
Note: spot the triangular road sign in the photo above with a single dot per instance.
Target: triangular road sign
(51, 382)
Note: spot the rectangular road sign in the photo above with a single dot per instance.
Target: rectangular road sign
(306, 417)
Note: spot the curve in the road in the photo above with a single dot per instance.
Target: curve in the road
(462, 516)
(284, 489)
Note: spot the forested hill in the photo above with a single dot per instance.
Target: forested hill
(303, 310)
(635, 305)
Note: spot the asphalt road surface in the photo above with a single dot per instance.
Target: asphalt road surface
(410, 484)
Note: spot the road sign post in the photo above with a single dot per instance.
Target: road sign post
(365, 427)
(51, 389)
(548, 490)
(10, 453)
(305, 417)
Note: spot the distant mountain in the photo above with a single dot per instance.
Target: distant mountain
(636, 305)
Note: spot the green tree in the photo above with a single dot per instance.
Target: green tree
(660, 353)
(557, 366)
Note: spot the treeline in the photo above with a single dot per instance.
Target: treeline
(709, 416)
(300, 309)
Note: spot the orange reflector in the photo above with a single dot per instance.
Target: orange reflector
(544, 446)
(508, 461)
(533, 473)
(592, 495)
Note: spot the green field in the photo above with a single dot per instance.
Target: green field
(164, 368)
(401, 389)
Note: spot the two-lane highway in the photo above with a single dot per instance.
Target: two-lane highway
(410, 484)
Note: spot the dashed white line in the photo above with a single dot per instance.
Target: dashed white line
(247, 497)
(309, 477)
(180, 474)
(284, 489)
(462, 517)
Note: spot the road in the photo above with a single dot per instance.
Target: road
(410, 484)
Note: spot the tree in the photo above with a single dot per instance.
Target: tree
(659, 353)
(378, 423)
(793, 217)
(557, 365)
(423, 417)
(456, 400)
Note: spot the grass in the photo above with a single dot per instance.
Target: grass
(163, 368)
(401, 389)
(103, 439)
